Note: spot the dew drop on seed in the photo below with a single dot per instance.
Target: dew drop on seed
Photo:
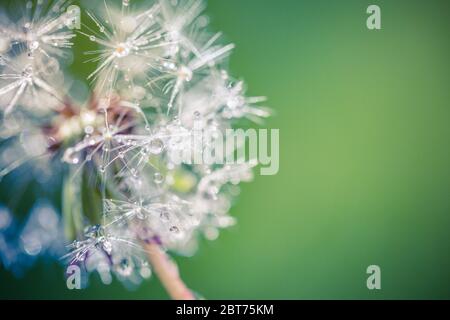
(145, 272)
(140, 214)
(125, 267)
(158, 178)
(156, 146)
(75, 244)
(107, 246)
(164, 215)
(80, 256)
(34, 45)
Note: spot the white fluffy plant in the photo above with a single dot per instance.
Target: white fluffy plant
(159, 76)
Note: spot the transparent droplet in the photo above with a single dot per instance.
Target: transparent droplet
(145, 271)
(140, 214)
(80, 256)
(71, 157)
(174, 229)
(92, 38)
(164, 215)
(27, 72)
(76, 244)
(158, 178)
(95, 232)
(145, 151)
(107, 246)
(125, 267)
(156, 146)
(34, 45)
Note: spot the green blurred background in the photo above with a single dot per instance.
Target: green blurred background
(364, 165)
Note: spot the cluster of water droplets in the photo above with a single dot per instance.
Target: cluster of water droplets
(160, 72)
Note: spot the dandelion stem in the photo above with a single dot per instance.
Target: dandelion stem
(167, 272)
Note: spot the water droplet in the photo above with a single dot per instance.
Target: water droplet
(145, 151)
(76, 244)
(158, 178)
(125, 267)
(92, 38)
(164, 215)
(156, 146)
(101, 169)
(89, 130)
(145, 272)
(107, 246)
(140, 214)
(34, 45)
(80, 256)
(95, 232)
(174, 229)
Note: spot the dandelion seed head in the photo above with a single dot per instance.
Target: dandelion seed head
(159, 76)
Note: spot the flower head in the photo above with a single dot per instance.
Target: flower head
(160, 77)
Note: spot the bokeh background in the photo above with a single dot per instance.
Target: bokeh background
(364, 165)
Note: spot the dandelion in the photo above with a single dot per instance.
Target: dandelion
(128, 202)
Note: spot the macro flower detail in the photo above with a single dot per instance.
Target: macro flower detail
(126, 199)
